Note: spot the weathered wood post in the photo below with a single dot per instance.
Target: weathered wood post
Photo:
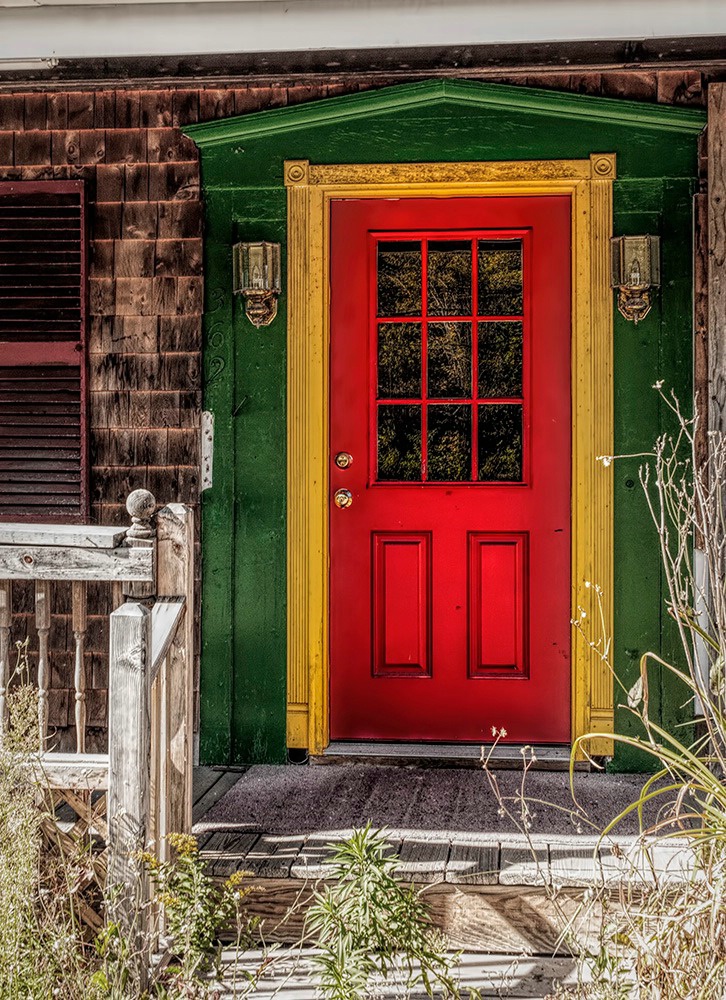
(129, 769)
(6, 620)
(175, 578)
(129, 750)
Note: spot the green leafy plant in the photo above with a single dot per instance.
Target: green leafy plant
(197, 909)
(370, 927)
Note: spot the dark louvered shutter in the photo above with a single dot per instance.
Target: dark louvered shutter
(43, 447)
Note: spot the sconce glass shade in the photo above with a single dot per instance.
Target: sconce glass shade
(635, 270)
(635, 261)
(256, 269)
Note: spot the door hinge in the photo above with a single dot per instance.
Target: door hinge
(207, 449)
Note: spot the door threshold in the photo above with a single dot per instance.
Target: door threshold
(502, 757)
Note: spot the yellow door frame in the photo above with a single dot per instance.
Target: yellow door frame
(310, 189)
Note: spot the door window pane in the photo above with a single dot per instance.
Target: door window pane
(449, 360)
(500, 277)
(399, 442)
(399, 360)
(500, 442)
(449, 443)
(449, 278)
(399, 279)
(500, 359)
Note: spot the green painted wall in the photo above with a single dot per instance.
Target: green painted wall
(243, 640)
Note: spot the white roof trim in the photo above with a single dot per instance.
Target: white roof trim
(53, 29)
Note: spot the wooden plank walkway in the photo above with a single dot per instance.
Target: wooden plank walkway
(488, 892)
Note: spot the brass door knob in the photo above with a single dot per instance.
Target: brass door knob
(343, 498)
(343, 460)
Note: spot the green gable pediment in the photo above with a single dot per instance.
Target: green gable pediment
(437, 96)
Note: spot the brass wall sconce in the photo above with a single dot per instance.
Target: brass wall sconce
(257, 277)
(635, 271)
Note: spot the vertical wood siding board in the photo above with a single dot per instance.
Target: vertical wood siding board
(164, 408)
(168, 257)
(99, 334)
(679, 86)
(717, 256)
(155, 108)
(182, 219)
(182, 446)
(180, 333)
(165, 296)
(190, 296)
(172, 181)
(104, 109)
(700, 323)
(135, 334)
(637, 424)
(92, 144)
(676, 358)
(134, 296)
(101, 296)
(7, 148)
(101, 258)
(218, 505)
(107, 220)
(109, 408)
(109, 182)
(216, 104)
(190, 403)
(12, 111)
(57, 106)
(134, 258)
(36, 111)
(185, 107)
(140, 220)
(81, 108)
(128, 111)
(32, 148)
(136, 182)
(65, 147)
(126, 145)
(139, 410)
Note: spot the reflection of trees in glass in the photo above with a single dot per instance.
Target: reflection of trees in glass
(399, 360)
(500, 277)
(399, 442)
(449, 278)
(399, 279)
(500, 359)
(449, 443)
(500, 442)
(449, 359)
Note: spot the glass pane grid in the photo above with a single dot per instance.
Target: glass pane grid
(449, 379)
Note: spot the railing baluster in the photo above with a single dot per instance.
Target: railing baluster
(42, 624)
(6, 616)
(80, 625)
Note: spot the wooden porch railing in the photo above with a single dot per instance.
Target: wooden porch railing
(147, 772)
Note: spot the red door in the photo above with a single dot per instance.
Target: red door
(450, 392)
